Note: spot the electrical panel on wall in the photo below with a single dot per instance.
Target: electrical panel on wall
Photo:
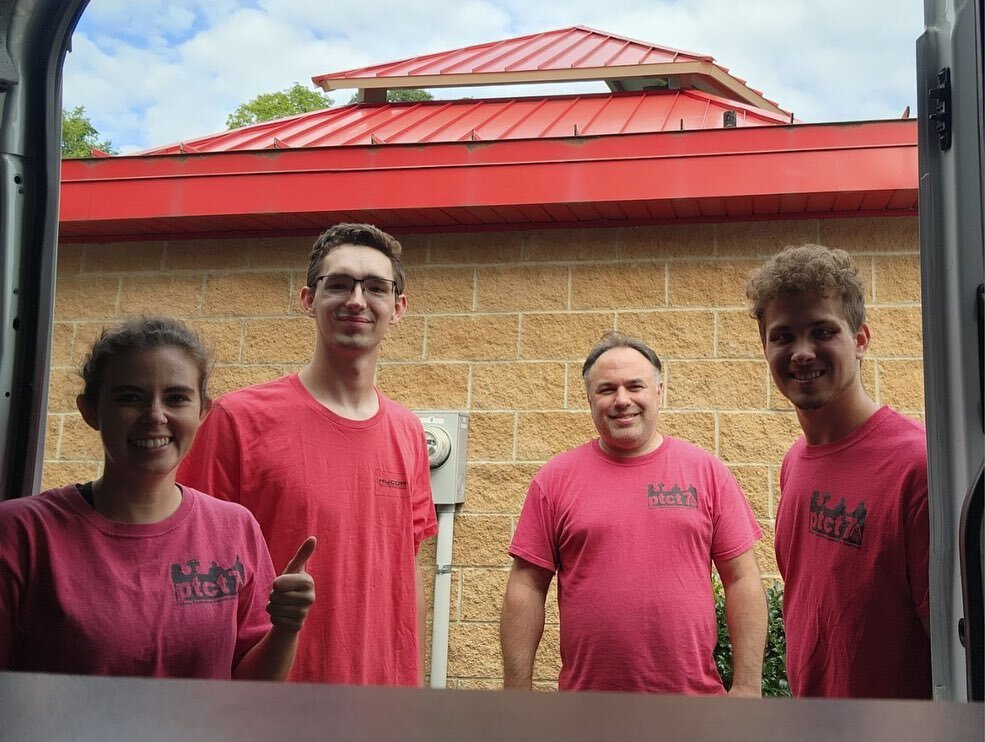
(446, 433)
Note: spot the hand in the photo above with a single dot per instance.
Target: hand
(745, 691)
(293, 593)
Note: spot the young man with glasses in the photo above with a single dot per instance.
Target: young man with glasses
(323, 452)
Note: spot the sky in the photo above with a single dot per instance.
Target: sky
(155, 72)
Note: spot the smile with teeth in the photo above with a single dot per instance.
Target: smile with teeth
(152, 442)
(807, 375)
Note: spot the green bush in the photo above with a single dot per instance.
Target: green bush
(774, 658)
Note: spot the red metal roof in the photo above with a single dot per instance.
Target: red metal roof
(576, 47)
(574, 53)
(485, 120)
(753, 172)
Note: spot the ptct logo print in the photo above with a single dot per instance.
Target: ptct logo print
(675, 497)
(219, 583)
(837, 524)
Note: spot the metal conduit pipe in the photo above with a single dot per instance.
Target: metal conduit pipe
(442, 596)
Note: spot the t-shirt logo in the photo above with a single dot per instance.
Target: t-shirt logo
(837, 524)
(675, 497)
(219, 583)
(391, 482)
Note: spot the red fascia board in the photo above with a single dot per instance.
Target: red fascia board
(799, 159)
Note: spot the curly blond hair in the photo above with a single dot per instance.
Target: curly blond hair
(826, 271)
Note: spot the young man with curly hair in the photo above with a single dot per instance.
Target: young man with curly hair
(852, 534)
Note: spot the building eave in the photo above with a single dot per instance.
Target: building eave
(743, 173)
(705, 75)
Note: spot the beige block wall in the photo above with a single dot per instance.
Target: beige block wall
(498, 325)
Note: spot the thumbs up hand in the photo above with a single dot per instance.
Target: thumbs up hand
(293, 593)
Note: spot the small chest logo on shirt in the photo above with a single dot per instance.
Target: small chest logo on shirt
(660, 497)
(219, 583)
(395, 484)
(391, 482)
(837, 524)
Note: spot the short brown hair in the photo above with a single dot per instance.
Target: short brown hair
(613, 339)
(360, 235)
(142, 334)
(826, 271)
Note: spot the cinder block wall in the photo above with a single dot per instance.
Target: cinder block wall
(498, 325)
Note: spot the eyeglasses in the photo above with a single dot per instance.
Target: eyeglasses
(339, 284)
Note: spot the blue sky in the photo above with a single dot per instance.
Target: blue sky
(154, 72)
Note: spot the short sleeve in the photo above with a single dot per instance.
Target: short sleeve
(916, 532)
(11, 583)
(252, 619)
(781, 556)
(425, 523)
(213, 464)
(535, 538)
(735, 529)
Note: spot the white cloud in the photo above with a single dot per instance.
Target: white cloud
(157, 71)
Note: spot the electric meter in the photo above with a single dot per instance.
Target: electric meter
(439, 445)
(446, 435)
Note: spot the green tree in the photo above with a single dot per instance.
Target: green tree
(775, 682)
(288, 102)
(400, 95)
(79, 136)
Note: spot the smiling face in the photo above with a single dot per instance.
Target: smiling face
(357, 320)
(147, 412)
(813, 352)
(624, 393)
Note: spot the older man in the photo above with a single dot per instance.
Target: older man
(631, 523)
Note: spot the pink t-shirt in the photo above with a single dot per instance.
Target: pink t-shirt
(853, 544)
(80, 594)
(632, 541)
(362, 487)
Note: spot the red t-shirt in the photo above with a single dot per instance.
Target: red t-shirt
(632, 541)
(362, 487)
(852, 544)
(80, 594)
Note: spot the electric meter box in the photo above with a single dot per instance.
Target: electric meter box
(446, 434)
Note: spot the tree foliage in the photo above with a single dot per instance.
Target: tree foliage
(775, 655)
(79, 136)
(288, 102)
(405, 95)
(400, 95)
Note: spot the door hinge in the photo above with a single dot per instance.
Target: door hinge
(940, 98)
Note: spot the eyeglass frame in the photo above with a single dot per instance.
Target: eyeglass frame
(360, 283)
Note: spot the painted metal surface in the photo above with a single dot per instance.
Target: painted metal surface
(97, 709)
(573, 47)
(485, 120)
(567, 54)
(573, 53)
(753, 172)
